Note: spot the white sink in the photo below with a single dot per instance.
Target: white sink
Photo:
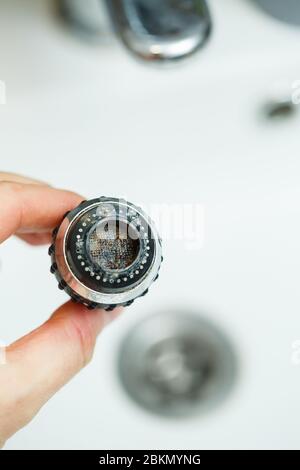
(92, 119)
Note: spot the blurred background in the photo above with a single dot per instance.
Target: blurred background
(166, 102)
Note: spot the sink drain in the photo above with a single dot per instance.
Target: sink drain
(175, 364)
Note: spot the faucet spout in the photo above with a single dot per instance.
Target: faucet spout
(153, 30)
(158, 30)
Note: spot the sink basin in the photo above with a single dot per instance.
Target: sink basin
(90, 118)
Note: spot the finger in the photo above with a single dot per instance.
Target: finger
(36, 239)
(5, 176)
(32, 208)
(40, 363)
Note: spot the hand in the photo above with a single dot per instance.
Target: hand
(41, 362)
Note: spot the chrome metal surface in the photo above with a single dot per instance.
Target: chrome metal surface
(176, 364)
(153, 30)
(87, 17)
(284, 10)
(281, 109)
(105, 298)
(281, 103)
(161, 30)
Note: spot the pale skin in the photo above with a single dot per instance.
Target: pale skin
(40, 363)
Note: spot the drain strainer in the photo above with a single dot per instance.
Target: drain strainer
(175, 364)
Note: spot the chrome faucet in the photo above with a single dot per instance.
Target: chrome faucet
(154, 30)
